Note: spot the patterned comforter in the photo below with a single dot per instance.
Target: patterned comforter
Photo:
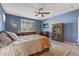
(26, 45)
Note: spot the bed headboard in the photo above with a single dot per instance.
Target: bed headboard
(25, 33)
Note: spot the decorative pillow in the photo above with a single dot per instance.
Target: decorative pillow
(13, 35)
(6, 40)
(4, 37)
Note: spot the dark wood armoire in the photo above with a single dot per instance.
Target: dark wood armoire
(58, 32)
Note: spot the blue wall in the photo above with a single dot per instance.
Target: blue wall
(70, 25)
(17, 20)
(12, 19)
(2, 22)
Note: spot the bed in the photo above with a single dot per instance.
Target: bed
(26, 45)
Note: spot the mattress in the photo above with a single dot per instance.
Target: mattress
(26, 45)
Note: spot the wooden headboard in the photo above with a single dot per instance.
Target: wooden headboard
(25, 33)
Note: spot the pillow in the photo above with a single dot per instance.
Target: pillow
(13, 36)
(5, 39)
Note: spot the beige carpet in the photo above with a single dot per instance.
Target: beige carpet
(56, 51)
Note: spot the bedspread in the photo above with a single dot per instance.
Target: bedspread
(26, 45)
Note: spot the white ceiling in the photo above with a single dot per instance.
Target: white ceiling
(28, 9)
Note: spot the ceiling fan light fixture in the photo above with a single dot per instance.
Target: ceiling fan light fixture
(41, 12)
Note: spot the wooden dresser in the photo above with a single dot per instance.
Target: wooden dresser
(45, 34)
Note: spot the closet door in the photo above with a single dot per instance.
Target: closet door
(58, 32)
(30, 26)
(27, 25)
(24, 25)
(33, 26)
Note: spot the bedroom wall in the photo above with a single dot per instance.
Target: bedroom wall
(70, 25)
(17, 20)
(2, 19)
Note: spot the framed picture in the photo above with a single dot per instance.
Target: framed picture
(45, 25)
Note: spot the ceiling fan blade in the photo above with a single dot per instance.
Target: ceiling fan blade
(42, 15)
(41, 9)
(41, 12)
(46, 12)
(37, 14)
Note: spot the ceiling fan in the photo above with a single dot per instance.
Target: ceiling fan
(41, 12)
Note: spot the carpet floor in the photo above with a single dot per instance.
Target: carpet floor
(73, 47)
(56, 51)
(63, 49)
